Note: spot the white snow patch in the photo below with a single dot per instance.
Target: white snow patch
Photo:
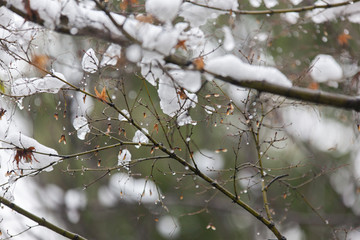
(121, 117)
(325, 69)
(291, 17)
(229, 42)
(111, 56)
(163, 10)
(208, 161)
(231, 66)
(82, 127)
(29, 86)
(140, 137)
(124, 157)
(198, 16)
(90, 62)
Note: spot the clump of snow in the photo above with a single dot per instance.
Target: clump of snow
(296, 2)
(82, 127)
(229, 42)
(209, 109)
(111, 56)
(79, 107)
(255, 3)
(190, 80)
(270, 3)
(198, 16)
(124, 157)
(140, 137)
(48, 10)
(29, 86)
(90, 62)
(172, 103)
(121, 117)
(149, 69)
(231, 66)
(168, 227)
(133, 190)
(207, 161)
(153, 37)
(163, 10)
(325, 69)
(133, 53)
(291, 17)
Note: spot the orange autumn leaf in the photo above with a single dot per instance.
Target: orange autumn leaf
(343, 39)
(125, 3)
(181, 44)
(313, 86)
(199, 63)
(25, 154)
(40, 61)
(156, 127)
(101, 96)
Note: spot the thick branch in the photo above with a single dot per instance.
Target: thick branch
(297, 93)
(41, 221)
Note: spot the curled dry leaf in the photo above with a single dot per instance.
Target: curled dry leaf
(181, 44)
(62, 139)
(156, 127)
(221, 150)
(25, 154)
(101, 96)
(2, 112)
(182, 94)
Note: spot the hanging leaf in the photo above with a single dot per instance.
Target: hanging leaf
(2, 112)
(62, 139)
(101, 96)
(25, 154)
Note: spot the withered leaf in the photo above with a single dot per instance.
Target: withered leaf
(343, 39)
(25, 154)
(2, 112)
(101, 96)
(62, 139)
(199, 63)
(181, 44)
